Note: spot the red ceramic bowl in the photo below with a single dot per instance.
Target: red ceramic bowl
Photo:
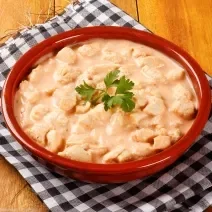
(106, 173)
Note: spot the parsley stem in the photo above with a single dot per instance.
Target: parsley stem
(99, 96)
(100, 90)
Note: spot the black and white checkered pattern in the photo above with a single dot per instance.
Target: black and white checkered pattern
(184, 186)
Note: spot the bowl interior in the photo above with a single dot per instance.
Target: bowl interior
(26, 62)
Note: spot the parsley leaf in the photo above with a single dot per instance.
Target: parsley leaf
(85, 91)
(113, 101)
(128, 94)
(127, 104)
(111, 78)
(124, 101)
(124, 85)
(105, 99)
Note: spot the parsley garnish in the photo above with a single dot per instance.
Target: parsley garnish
(122, 98)
(85, 91)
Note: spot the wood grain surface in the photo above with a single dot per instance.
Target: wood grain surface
(185, 22)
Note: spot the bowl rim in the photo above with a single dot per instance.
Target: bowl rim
(173, 151)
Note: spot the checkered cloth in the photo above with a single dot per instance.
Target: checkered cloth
(184, 186)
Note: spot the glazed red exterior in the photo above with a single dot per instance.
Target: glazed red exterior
(106, 173)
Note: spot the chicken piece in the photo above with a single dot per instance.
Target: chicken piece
(32, 96)
(139, 93)
(125, 156)
(25, 122)
(99, 113)
(65, 92)
(112, 156)
(96, 134)
(137, 118)
(101, 69)
(54, 141)
(112, 56)
(181, 93)
(175, 122)
(153, 91)
(143, 135)
(98, 151)
(145, 123)
(155, 106)
(175, 134)
(47, 65)
(77, 153)
(50, 65)
(138, 85)
(176, 74)
(142, 150)
(161, 142)
(127, 70)
(153, 74)
(62, 120)
(34, 76)
(97, 116)
(49, 91)
(38, 112)
(65, 74)
(56, 119)
(141, 100)
(160, 131)
(84, 77)
(82, 125)
(67, 103)
(117, 122)
(126, 52)
(28, 92)
(25, 111)
(150, 62)
(97, 73)
(140, 51)
(89, 50)
(96, 79)
(124, 71)
(83, 108)
(184, 108)
(85, 146)
(25, 85)
(38, 133)
(159, 126)
(67, 55)
(79, 139)
(157, 120)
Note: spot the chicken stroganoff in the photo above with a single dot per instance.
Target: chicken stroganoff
(53, 111)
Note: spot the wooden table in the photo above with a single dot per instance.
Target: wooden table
(185, 22)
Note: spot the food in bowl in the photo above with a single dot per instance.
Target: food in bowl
(106, 101)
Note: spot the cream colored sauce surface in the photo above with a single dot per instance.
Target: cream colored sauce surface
(51, 112)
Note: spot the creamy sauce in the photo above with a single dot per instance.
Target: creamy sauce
(50, 111)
